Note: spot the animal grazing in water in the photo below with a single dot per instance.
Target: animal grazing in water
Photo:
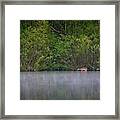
(83, 69)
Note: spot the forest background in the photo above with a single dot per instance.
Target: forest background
(59, 45)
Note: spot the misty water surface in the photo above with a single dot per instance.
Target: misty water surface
(60, 85)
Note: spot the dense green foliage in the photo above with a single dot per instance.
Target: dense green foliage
(59, 44)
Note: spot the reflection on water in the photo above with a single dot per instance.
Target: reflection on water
(60, 85)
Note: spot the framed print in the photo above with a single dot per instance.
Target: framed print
(59, 59)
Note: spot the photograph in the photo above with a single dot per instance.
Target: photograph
(59, 55)
(59, 59)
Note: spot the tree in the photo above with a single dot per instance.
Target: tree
(59, 44)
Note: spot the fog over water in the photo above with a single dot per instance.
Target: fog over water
(60, 85)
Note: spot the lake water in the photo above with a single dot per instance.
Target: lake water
(60, 85)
